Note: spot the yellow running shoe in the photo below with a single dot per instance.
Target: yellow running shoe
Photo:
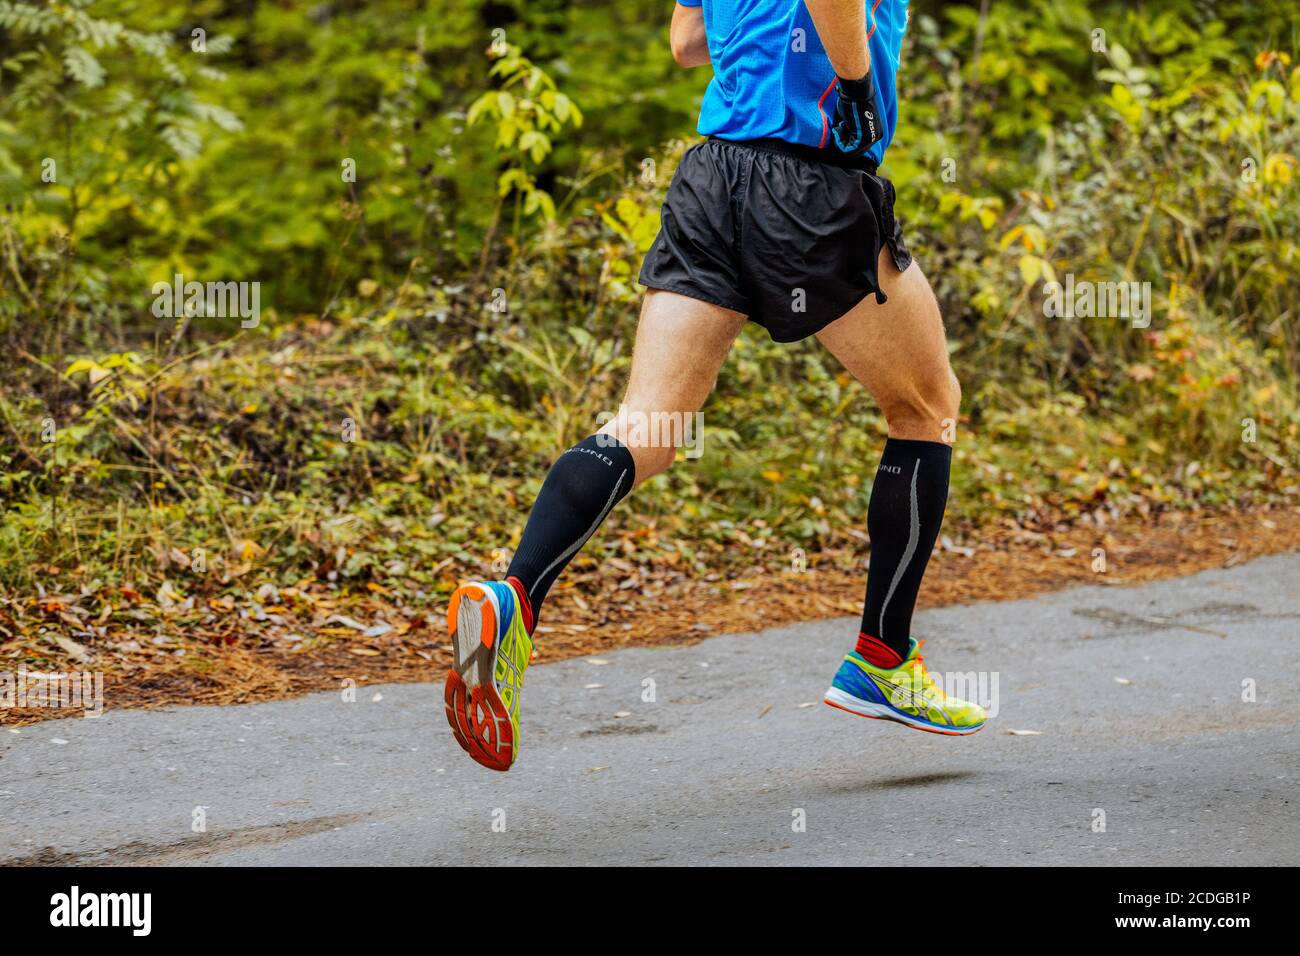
(491, 650)
(906, 693)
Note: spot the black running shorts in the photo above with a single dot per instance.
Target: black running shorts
(787, 235)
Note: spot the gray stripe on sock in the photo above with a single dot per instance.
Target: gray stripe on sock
(913, 536)
(572, 549)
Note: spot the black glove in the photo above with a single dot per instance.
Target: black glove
(857, 121)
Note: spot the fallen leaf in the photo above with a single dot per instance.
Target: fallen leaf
(167, 595)
(346, 622)
(72, 647)
(1141, 373)
(947, 544)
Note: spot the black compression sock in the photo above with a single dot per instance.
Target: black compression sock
(903, 518)
(580, 489)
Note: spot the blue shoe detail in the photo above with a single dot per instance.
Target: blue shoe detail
(505, 596)
(853, 681)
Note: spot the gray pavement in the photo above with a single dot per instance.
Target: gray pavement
(1135, 694)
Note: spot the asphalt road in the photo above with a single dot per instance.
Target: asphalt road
(1135, 695)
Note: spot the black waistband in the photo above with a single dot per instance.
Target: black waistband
(832, 157)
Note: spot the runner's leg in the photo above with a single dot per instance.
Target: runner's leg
(681, 344)
(899, 354)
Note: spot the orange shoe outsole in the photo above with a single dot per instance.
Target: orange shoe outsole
(477, 715)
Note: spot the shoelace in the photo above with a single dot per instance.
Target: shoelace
(928, 687)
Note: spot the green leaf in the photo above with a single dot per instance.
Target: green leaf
(479, 107)
(83, 67)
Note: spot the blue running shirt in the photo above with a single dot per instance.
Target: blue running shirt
(771, 75)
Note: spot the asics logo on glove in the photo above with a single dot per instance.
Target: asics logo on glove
(857, 120)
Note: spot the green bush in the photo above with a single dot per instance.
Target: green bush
(466, 305)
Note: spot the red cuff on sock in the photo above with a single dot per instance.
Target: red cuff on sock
(877, 652)
(524, 603)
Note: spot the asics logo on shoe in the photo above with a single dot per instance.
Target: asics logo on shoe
(902, 696)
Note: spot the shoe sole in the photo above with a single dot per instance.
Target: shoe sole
(849, 704)
(477, 715)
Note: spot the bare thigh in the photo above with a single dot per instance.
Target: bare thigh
(681, 344)
(899, 353)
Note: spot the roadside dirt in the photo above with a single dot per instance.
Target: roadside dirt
(295, 651)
